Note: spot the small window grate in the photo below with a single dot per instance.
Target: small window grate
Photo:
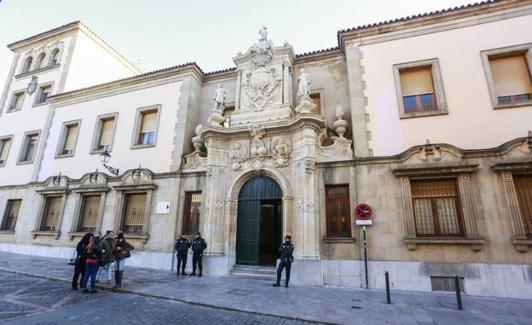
(446, 283)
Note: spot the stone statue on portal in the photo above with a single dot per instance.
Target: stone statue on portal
(263, 32)
(303, 93)
(219, 98)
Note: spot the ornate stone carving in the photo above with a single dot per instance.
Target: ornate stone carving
(197, 141)
(258, 147)
(340, 125)
(309, 166)
(306, 105)
(261, 52)
(281, 149)
(261, 87)
(195, 160)
(216, 118)
(430, 152)
(32, 86)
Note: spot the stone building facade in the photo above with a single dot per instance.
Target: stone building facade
(426, 119)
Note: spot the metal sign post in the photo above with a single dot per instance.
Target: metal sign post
(363, 214)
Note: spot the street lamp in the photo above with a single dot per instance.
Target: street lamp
(105, 156)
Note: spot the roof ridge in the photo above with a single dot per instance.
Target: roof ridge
(76, 22)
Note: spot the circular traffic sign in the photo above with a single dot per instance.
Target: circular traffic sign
(363, 211)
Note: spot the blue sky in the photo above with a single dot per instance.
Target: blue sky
(160, 33)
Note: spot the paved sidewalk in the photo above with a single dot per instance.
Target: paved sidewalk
(320, 304)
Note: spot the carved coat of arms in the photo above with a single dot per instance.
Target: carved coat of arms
(260, 86)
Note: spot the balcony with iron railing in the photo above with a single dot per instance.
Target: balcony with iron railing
(420, 103)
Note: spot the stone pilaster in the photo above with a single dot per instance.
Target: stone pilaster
(469, 208)
(408, 214)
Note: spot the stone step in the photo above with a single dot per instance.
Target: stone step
(254, 272)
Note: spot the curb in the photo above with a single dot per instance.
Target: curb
(149, 295)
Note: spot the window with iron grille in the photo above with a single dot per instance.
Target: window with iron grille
(192, 213)
(134, 209)
(11, 214)
(446, 283)
(523, 188)
(90, 205)
(51, 213)
(337, 211)
(437, 207)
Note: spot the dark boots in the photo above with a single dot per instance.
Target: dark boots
(118, 279)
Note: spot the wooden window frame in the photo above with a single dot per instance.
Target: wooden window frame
(25, 144)
(59, 153)
(347, 200)
(435, 214)
(185, 227)
(98, 132)
(508, 51)
(45, 194)
(138, 124)
(3, 138)
(7, 209)
(439, 93)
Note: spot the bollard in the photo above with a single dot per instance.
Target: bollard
(458, 293)
(387, 278)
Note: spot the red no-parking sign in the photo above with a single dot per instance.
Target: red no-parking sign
(363, 213)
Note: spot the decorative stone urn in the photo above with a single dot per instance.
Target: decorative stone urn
(340, 125)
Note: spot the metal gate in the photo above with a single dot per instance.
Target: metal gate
(254, 191)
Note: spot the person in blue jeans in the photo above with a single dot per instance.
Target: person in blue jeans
(94, 257)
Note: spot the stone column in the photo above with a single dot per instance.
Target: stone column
(286, 84)
(355, 71)
(237, 90)
(408, 215)
(468, 205)
(513, 205)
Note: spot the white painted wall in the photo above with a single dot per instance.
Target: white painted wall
(92, 64)
(158, 158)
(471, 122)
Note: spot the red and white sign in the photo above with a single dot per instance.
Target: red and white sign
(363, 213)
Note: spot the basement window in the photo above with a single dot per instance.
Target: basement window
(446, 283)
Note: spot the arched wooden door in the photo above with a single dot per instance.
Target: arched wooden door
(259, 221)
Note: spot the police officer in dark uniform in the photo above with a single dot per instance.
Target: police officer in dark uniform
(181, 247)
(286, 250)
(198, 246)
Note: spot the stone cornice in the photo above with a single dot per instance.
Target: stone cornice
(429, 19)
(524, 166)
(433, 170)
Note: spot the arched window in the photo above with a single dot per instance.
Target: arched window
(40, 61)
(54, 59)
(27, 64)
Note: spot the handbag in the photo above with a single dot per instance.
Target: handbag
(74, 259)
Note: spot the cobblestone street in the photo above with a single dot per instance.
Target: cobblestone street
(29, 300)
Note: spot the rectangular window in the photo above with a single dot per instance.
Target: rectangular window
(43, 94)
(11, 214)
(134, 208)
(192, 213)
(106, 134)
(337, 211)
(523, 188)
(29, 147)
(90, 205)
(436, 208)
(148, 127)
(446, 283)
(51, 213)
(68, 139)
(5, 145)
(511, 78)
(16, 101)
(418, 90)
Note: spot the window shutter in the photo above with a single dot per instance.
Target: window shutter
(4, 149)
(106, 135)
(71, 137)
(149, 122)
(134, 213)
(89, 213)
(51, 213)
(416, 81)
(511, 75)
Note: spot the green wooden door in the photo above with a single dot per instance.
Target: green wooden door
(251, 195)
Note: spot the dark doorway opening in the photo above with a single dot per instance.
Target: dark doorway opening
(259, 222)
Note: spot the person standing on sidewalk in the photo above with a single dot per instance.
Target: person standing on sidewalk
(108, 258)
(181, 246)
(198, 246)
(81, 260)
(94, 256)
(121, 251)
(286, 250)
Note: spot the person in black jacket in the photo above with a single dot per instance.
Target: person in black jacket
(121, 251)
(181, 247)
(81, 259)
(93, 252)
(198, 246)
(286, 250)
